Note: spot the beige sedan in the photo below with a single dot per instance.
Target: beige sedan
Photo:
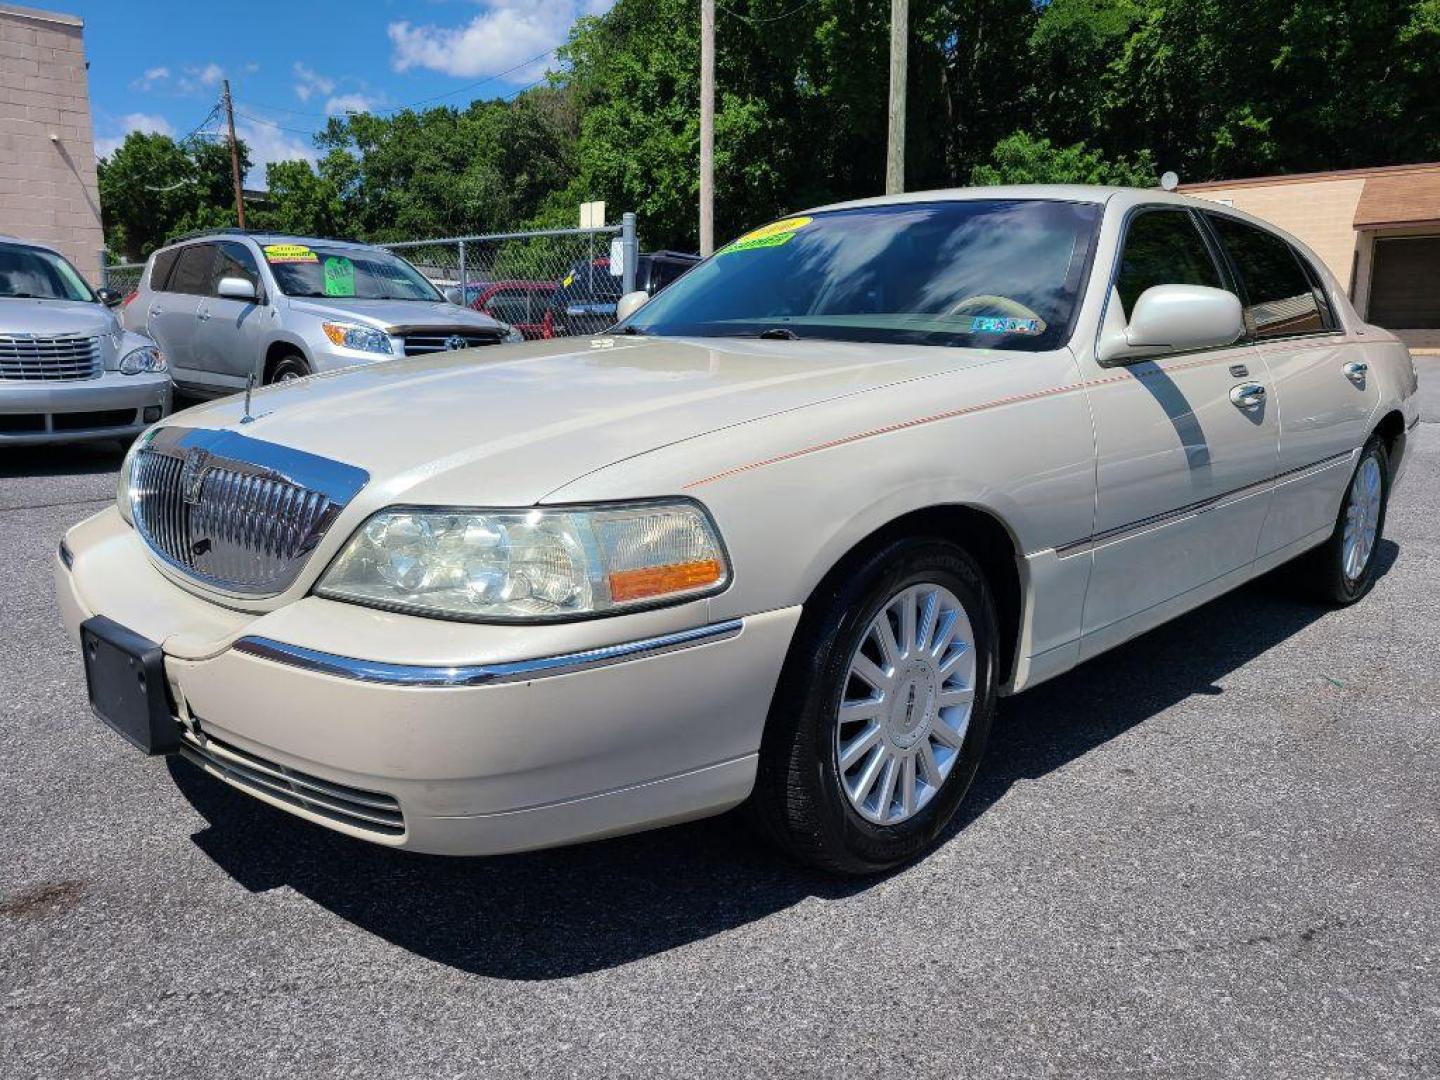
(778, 539)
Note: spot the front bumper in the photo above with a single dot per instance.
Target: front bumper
(110, 407)
(532, 759)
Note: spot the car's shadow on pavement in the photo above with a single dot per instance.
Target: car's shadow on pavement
(63, 459)
(564, 912)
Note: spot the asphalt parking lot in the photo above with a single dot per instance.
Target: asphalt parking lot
(1213, 852)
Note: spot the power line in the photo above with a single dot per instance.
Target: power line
(753, 21)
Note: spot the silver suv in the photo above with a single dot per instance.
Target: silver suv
(68, 370)
(228, 304)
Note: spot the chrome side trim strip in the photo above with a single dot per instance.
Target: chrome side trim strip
(1200, 507)
(379, 671)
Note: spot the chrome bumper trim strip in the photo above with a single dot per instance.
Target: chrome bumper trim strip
(379, 671)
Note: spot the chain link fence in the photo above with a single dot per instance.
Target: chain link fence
(123, 277)
(547, 283)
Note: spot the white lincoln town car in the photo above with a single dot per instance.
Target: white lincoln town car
(779, 538)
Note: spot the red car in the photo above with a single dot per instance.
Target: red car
(525, 305)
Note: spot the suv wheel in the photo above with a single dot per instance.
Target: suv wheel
(882, 712)
(289, 368)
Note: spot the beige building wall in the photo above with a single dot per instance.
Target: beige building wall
(48, 190)
(1321, 213)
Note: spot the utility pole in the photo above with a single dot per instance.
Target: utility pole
(707, 127)
(234, 157)
(895, 148)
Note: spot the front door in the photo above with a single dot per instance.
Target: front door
(229, 336)
(1186, 449)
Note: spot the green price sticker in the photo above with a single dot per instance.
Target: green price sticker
(339, 276)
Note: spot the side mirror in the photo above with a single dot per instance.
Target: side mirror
(110, 297)
(455, 295)
(1172, 318)
(236, 288)
(630, 303)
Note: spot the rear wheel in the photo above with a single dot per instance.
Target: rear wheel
(288, 368)
(882, 712)
(1344, 568)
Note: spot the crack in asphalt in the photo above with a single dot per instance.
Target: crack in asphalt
(54, 505)
(1304, 935)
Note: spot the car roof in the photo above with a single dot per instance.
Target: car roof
(1084, 193)
(261, 238)
(6, 238)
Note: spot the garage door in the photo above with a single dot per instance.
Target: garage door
(1405, 285)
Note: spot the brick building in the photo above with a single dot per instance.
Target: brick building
(1377, 229)
(48, 190)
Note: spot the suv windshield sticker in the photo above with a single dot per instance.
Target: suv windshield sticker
(985, 324)
(767, 236)
(339, 276)
(289, 253)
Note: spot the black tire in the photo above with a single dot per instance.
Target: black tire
(288, 367)
(1323, 570)
(798, 801)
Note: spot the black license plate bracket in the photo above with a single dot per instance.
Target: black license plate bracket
(125, 678)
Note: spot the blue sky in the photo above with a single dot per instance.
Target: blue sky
(156, 65)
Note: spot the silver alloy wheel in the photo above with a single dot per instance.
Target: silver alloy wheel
(906, 704)
(289, 376)
(1362, 518)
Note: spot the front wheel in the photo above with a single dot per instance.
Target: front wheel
(882, 712)
(289, 368)
(1345, 567)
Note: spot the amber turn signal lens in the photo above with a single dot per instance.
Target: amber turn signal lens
(627, 585)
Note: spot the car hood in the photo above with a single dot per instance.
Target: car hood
(390, 314)
(507, 425)
(55, 317)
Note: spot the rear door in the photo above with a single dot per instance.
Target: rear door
(173, 319)
(229, 339)
(1325, 404)
(1184, 471)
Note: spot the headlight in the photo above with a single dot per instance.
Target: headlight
(511, 334)
(146, 360)
(529, 565)
(354, 336)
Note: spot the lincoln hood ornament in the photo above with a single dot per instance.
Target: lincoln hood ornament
(249, 386)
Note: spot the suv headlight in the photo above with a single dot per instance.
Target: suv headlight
(355, 336)
(146, 360)
(530, 565)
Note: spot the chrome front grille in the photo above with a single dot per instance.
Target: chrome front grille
(423, 342)
(66, 358)
(233, 512)
(373, 811)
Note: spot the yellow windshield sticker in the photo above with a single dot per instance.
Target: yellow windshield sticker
(767, 236)
(569, 280)
(289, 253)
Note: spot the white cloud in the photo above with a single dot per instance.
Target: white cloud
(209, 75)
(505, 34)
(147, 122)
(267, 144)
(344, 103)
(152, 76)
(311, 82)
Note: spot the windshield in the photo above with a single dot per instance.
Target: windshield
(302, 269)
(29, 272)
(1001, 274)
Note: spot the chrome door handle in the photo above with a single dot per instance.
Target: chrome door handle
(203, 315)
(1355, 372)
(157, 311)
(1247, 396)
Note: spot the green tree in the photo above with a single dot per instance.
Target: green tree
(1022, 158)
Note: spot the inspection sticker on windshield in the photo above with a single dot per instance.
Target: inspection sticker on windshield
(986, 324)
(768, 236)
(289, 253)
(339, 276)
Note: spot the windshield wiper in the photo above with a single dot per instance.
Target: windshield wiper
(779, 333)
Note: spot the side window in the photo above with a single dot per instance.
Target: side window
(1279, 298)
(1163, 247)
(509, 306)
(160, 269)
(192, 270)
(233, 260)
